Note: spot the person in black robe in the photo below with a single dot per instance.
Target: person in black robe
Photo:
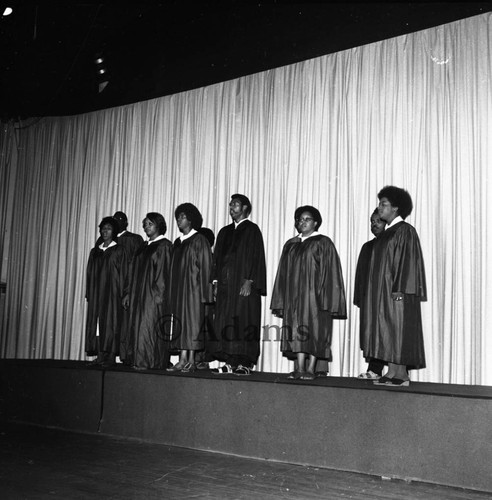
(147, 298)
(190, 289)
(131, 242)
(204, 357)
(395, 288)
(308, 293)
(239, 275)
(376, 366)
(106, 274)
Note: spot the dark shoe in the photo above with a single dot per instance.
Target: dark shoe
(383, 381)
(397, 382)
(203, 365)
(321, 374)
(294, 375)
(308, 376)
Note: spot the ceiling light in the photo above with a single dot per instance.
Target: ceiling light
(99, 60)
(7, 11)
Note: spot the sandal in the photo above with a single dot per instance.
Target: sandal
(223, 370)
(189, 368)
(242, 370)
(370, 375)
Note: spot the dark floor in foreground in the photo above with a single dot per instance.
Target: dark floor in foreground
(45, 463)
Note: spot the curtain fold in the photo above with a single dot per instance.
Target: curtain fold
(414, 111)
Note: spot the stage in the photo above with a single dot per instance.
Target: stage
(428, 432)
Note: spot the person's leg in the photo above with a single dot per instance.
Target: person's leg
(376, 366)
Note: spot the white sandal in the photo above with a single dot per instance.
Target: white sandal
(370, 375)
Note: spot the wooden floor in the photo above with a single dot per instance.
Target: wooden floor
(38, 463)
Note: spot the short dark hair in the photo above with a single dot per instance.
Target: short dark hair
(122, 220)
(244, 200)
(398, 197)
(313, 211)
(158, 220)
(114, 225)
(192, 214)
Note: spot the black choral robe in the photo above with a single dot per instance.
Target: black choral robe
(131, 242)
(309, 291)
(106, 274)
(149, 314)
(239, 254)
(190, 290)
(393, 329)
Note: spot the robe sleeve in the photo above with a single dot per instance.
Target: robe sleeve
(278, 294)
(408, 264)
(162, 267)
(204, 263)
(362, 272)
(256, 268)
(330, 289)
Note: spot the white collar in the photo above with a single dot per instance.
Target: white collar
(303, 238)
(237, 223)
(394, 221)
(160, 237)
(189, 235)
(103, 248)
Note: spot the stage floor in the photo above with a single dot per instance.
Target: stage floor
(49, 463)
(426, 432)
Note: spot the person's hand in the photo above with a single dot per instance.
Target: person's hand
(279, 313)
(245, 290)
(397, 296)
(125, 302)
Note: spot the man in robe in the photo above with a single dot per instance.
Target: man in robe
(131, 242)
(375, 367)
(239, 276)
(395, 288)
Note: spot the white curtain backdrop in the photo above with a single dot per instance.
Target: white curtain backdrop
(414, 111)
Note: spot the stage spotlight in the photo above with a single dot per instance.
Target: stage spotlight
(7, 11)
(99, 60)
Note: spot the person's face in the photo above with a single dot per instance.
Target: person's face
(306, 224)
(237, 210)
(387, 212)
(106, 233)
(377, 225)
(150, 229)
(184, 225)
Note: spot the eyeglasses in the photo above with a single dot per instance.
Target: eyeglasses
(304, 219)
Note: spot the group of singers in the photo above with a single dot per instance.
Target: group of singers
(148, 300)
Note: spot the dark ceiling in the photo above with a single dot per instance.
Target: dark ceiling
(152, 49)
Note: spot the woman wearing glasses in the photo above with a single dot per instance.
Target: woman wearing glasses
(308, 293)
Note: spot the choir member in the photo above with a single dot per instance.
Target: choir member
(375, 367)
(395, 288)
(190, 288)
(239, 275)
(106, 273)
(308, 293)
(149, 316)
